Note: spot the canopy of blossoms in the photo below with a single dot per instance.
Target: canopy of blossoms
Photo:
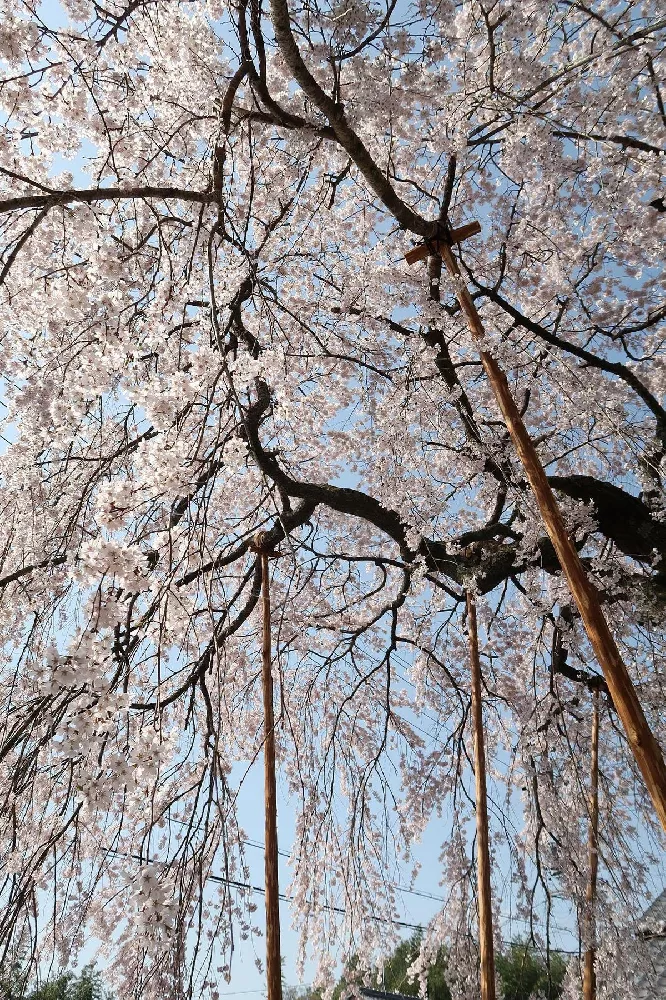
(208, 329)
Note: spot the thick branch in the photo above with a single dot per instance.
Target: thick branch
(344, 133)
(623, 518)
(593, 360)
(93, 195)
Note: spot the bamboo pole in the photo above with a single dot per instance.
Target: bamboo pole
(272, 898)
(644, 746)
(486, 948)
(589, 973)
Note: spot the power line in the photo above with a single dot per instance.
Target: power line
(220, 880)
(241, 993)
(234, 883)
(257, 845)
(394, 885)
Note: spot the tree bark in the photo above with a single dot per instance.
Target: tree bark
(273, 964)
(645, 748)
(486, 948)
(91, 196)
(589, 973)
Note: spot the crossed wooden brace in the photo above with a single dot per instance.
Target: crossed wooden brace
(260, 544)
(455, 236)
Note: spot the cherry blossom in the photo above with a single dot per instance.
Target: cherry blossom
(208, 329)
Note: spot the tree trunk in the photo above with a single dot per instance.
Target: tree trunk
(589, 975)
(273, 964)
(645, 748)
(486, 948)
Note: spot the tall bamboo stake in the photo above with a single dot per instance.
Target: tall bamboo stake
(645, 748)
(272, 899)
(589, 974)
(486, 948)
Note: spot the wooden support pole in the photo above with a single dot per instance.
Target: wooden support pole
(486, 948)
(272, 899)
(589, 972)
(644, 746)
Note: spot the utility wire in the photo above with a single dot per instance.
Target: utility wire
(234, 883)
(394, 885)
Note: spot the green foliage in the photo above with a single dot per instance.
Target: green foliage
(65, 986)
(524, 974)
(11, 981)
(395, 979)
